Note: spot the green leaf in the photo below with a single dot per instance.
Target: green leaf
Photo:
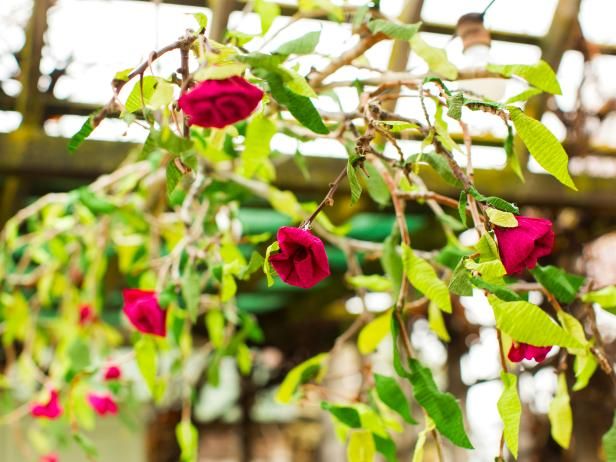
(297, 83)
(494, 201)
(391, 394)
(299, 106)
(438, 163)
(609, 442)
(256, 262)
(191, 291)
(354, 183)
(219, 72)
(86, 445)
(215, 323)
(460, 282)
(123, 75)
(162, 95)
(386, 447)
(86, 129)
(525, 95)
(455, 103)
(300, 46)
(393, 30)
(302, 373)
(442, 408)
(559, 413)
(147, 361)
(188, 440)
(462, 204)
(376, 185)
(95, 203)
(373, 282)
(442, 131)
(564, 286)
(539, 75)
(543, 146)
(141, 93)
(391, 261)
(502, 219)
(259, 133)
(345, 414)
(361, 447)
(510, 410)
(267, 268)
(605, 297)
(436, 58)
(243, 356)
(437, 323)
(528, 323)
(201, 19)
(424, 278)
(267, 11)
(501, 291)
(373, 333)
(584, 366)
(512, 159)
(573, 327)
(173, 177)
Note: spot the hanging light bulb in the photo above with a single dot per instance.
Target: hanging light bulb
(476, 41)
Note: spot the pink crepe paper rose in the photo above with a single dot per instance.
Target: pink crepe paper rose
(522, 246)
(86, 315)
(48, 410)
(302, 260)
(112, 372)
(520, 351)
(103, 404)
(218, 103)
(50, 457)
(143, 311)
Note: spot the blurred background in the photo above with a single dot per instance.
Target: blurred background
(57, 59)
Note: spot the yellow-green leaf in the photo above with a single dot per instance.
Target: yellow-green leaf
(267, 268)
(502, 219)
(424, 278)
(255, 158)
(374, 282)
(559, 413)
(510, 410)
(543, 146)
(436, 58)
(373, 333)
(361, 446)
(539, 74)
(437, 323)
(313, 368)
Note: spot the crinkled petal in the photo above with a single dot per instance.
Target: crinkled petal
(522, 246)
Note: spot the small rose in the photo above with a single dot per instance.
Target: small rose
(302, 260)
(520, 351)
(50, 457)
(50, 409)
(522, 246)
(112, 373)
(218, 103)
(143, 311)
(86, 315)
(103, 404)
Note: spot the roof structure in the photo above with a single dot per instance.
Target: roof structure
(58, 58)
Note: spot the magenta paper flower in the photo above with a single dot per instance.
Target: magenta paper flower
(86, 315)
(522, 246)
(520, 351)
(112, 373)
(49, 410)
(50, 457)
(218, 103)
(302, 260)
(143, 311)
(103, 404)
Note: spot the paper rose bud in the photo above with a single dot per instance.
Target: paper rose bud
(51, 457)
(522, 246)
(86, 315)
(103, 404)
(218, 103)
(302, 260)
(143, 311)
(520, 351)
(112, 373)
(49, 410)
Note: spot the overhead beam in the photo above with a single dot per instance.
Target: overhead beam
(48, 157)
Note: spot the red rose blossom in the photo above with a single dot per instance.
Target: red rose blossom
(112, 373)
(86, 315)
(50, 457)
(143, 311)
(218, 103)
(522, 246)
(520, 351)
(103, 404)
(302, 260)
(49, 410)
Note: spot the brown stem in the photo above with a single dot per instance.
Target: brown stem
(327, 200)
(428, 195)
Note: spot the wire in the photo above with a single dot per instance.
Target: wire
(487, 8)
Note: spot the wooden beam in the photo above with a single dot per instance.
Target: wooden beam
(46, 157)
